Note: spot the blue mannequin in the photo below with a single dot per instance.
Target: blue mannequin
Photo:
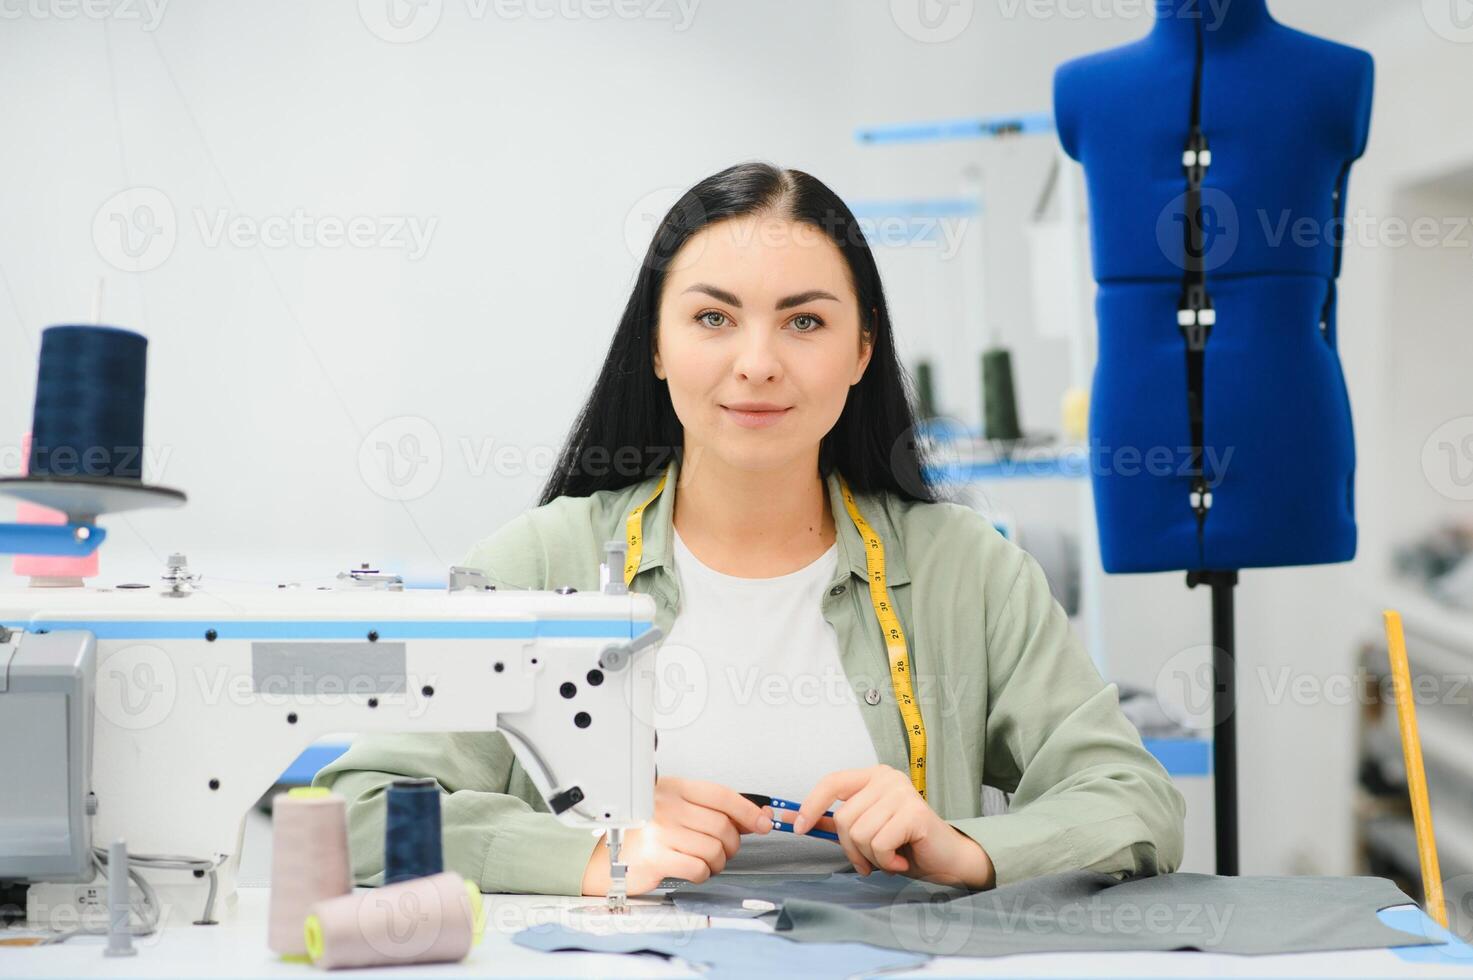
(1220, 425)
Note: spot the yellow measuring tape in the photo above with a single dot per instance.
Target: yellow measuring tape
(634, 533)
(879, 596)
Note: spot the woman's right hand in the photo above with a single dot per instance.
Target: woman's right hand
(696, 829)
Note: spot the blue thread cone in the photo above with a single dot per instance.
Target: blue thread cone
(412, 831)
(88, 418)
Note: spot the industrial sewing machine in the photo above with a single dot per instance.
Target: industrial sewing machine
(157, 714)
(160, 713)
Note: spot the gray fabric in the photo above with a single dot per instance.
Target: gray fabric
(1083, 911)
(723, 895)
(730, 954)
(779, 852)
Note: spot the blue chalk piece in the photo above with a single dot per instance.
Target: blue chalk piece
(1409, 918)
(1182, 756)
(313, 759)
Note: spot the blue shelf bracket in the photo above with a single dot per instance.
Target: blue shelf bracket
(987, 127)
(61, 540)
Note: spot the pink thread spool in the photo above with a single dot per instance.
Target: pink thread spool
(309, 862)
(435, 919)
(55, 570)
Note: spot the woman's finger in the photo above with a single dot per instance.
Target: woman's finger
(850, 810)
(844, 817)
(676, 864)
(826, 824)
(847, 812)
(835, 786)
(712, 823)
(746, 814)
(863, 829)
(855, 855)
(902, 828)
(700, 846)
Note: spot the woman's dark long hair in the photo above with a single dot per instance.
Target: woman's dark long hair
(628, 429)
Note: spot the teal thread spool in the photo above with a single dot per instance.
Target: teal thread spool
(412, 845)
(999, 400)
(925, 391)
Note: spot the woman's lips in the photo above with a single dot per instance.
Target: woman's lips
(755, 420)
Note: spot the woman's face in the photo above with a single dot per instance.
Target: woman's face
(758, 313)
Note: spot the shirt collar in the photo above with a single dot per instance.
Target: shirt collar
(659, 535)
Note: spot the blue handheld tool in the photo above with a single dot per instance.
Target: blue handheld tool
(779, 825)
(781, 804)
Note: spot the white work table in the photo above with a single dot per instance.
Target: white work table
(237, 948)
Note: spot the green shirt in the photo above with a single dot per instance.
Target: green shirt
(1008, 695)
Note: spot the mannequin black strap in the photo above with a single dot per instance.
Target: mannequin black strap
(1195, 316)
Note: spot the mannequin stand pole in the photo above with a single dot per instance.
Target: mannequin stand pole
(1224, 716)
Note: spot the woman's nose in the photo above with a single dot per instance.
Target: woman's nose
(757, 358)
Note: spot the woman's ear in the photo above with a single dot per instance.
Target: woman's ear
(866, 347)
(864, 357)
(659, 371)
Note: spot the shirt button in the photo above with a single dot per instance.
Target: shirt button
(871, 696)
(837, 590)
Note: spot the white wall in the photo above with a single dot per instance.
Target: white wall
(530, 145)
(531, 149)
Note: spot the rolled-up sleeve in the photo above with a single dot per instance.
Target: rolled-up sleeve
(1086, 792)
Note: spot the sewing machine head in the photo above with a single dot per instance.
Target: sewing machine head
(161, 714)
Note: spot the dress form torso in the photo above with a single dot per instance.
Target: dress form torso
(1284, 115)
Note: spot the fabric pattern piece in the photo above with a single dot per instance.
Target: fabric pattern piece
(730, 954)
(723, 895)
(1084, 911)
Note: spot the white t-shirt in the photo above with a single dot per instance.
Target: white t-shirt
(751, 694)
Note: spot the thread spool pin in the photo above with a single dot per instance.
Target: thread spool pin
(119, 903)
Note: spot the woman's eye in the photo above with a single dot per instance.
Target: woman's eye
(712, 318)
(807, 322)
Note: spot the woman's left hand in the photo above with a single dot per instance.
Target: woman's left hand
(885, 824)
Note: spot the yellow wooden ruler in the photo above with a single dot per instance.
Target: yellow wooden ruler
(1411, 747)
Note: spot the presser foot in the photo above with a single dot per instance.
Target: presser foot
(618, 903)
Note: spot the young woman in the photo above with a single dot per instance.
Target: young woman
(752, 403)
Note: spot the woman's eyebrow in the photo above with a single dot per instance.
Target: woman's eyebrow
(797, 299)
(721, 294)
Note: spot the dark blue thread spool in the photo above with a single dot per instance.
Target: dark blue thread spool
(412, 831)
(88, 419)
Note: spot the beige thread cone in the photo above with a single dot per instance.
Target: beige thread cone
(309, 862)
(435, 919)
